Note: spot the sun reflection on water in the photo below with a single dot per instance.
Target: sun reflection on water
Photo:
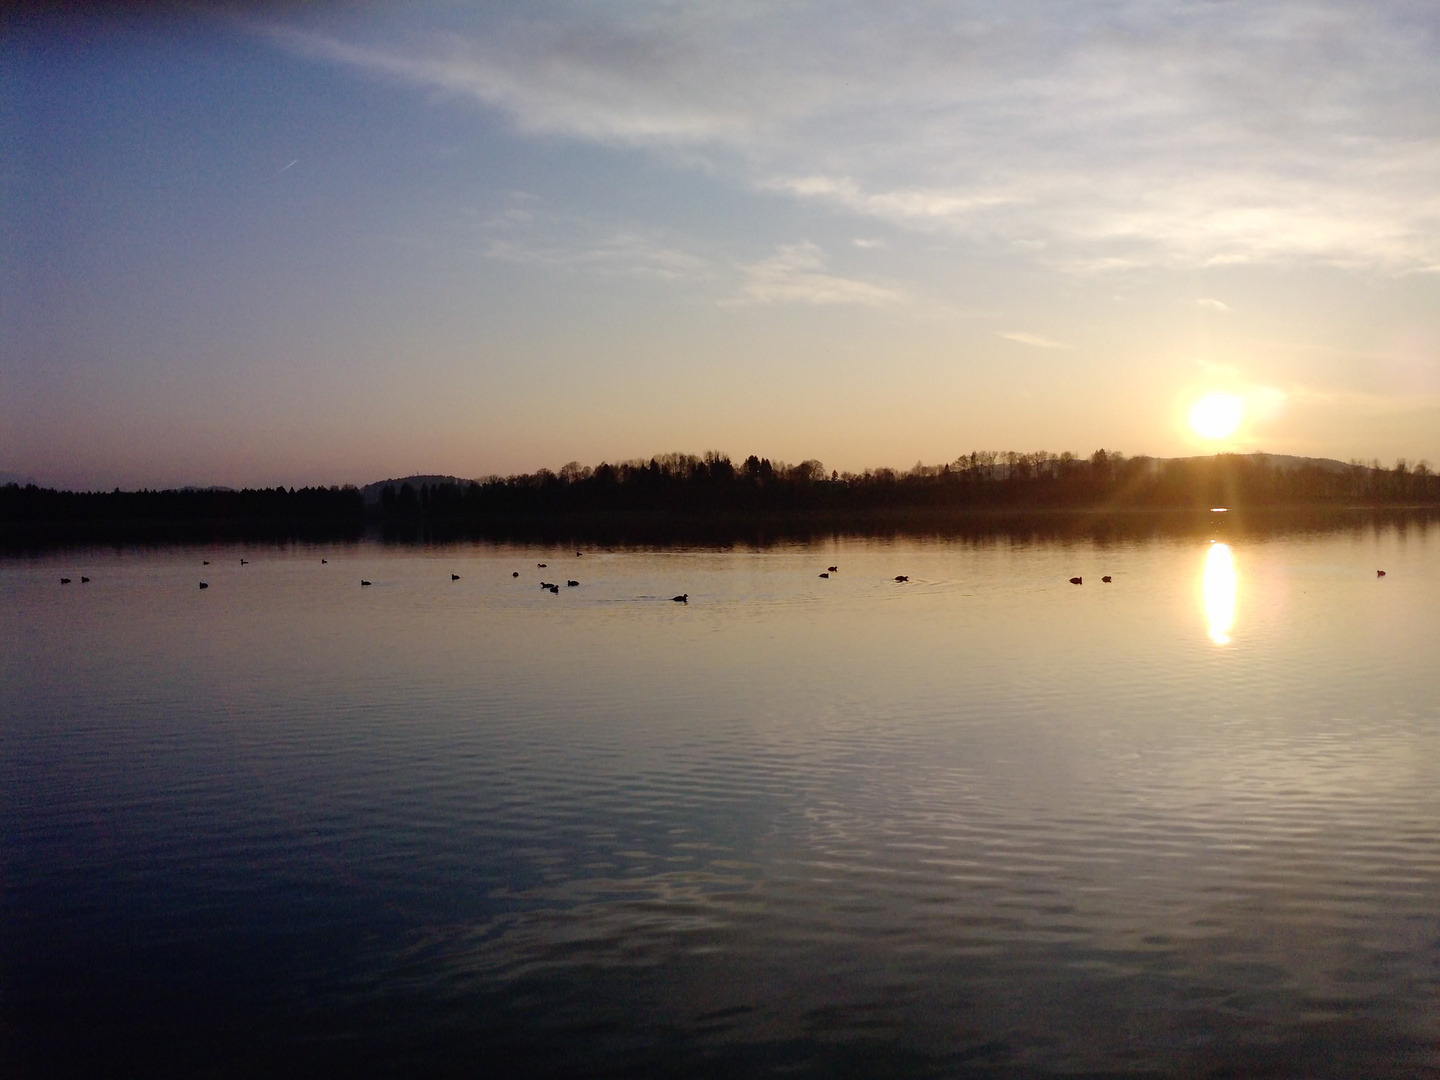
(1218, 585)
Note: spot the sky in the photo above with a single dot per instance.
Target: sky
(334, 243)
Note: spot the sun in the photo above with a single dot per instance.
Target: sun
(1216, 416)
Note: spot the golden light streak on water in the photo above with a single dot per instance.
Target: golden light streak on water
(1218, 586)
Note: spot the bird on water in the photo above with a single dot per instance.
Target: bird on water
(1379, 573)
(541, 565)
(1106, 579)
(244, 562)
(64, 581)
(515, 573)
(902, 577)
(683, 598)
(364, 582)
(204, 562)
(84, 581)
(204, 584)
(454, 577)
(825, 574)
(572, 584)
(555, 589)
(324, 561)
(831, 569)
(1076, 580)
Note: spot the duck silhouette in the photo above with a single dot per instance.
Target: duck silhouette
(204, 562)
(515, 573)
(204, 584)
(541, 565)
(324, 561)
(84, 581)
(64, 581)
(572, 584)
(1076, 580)
(683, 598)
(831, 569)
(1379, 573)
(244, 562)
(555, 588)
(364, 582)
(454, 577)
(902, 577)
(825, 574)
(1106, 579)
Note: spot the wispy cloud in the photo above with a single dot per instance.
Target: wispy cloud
(1209, 303)
(1038, 341)
(616, 254)
(527, 232)
(795, 274)
(1095, 136)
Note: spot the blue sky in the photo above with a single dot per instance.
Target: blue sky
(328, 243)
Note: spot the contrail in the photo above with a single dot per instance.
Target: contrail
(291, 163)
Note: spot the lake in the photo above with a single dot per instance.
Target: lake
(982, 822)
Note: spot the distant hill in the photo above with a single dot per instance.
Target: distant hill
(371, 492)
(1279, 462)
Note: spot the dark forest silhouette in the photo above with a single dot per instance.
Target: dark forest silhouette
(673, 491)
(713, 486)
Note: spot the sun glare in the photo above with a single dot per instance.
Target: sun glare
(1216, 416)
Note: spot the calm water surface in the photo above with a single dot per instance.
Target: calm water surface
(983, 822)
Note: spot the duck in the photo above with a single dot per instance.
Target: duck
(579, 555)
(204, 562)
(1106, 579)
(454, 577)
(364, 582)
(683, 598)
(1379, 573)
(244, 562)
(84, 580)
(324, 561)
(1076, 580)
(64, 581)
(204, 584)
(515, 573)
(572, 584)
(555, 588)
(546, 585)
(831, 569)
(825, 574)
(541, 565)
(902, 577)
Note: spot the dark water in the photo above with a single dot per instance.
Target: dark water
(980, 823)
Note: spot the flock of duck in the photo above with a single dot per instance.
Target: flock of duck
(683, 598)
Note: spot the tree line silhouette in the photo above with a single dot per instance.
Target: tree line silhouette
(712, 488)
(185, 514)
